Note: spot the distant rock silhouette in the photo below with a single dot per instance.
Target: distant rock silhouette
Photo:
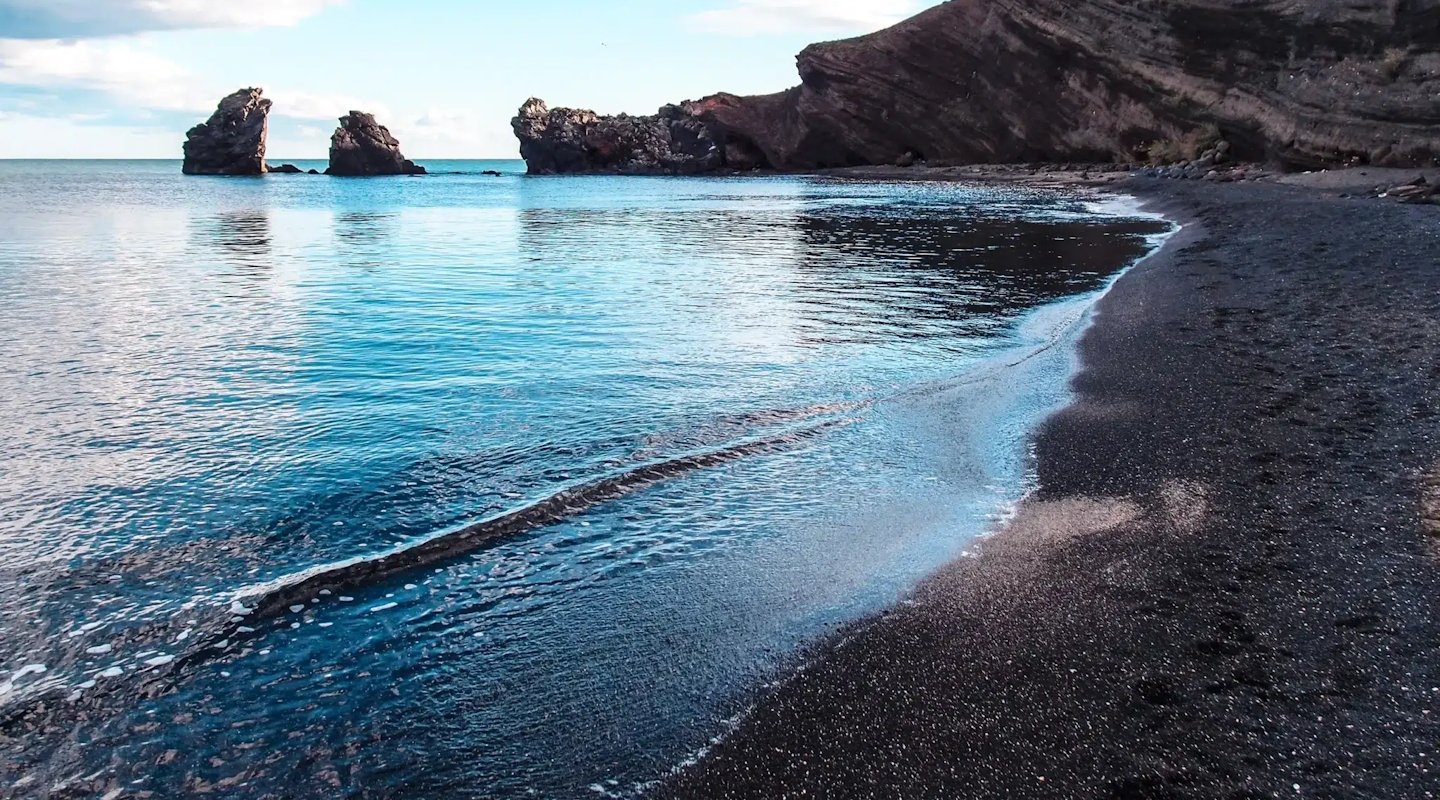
(287, 169)
(232, 141)
(363, 147)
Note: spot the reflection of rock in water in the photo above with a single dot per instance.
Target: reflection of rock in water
(240, 238)
(939, 270)
(362, 237)
(865, 273)
(366, 226)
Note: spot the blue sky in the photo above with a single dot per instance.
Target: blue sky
(126, 78)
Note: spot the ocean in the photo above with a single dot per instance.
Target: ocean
(478, 486)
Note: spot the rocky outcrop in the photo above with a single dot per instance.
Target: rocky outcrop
(1299, 84)
(565, 140)
(232, 141)
(1419, 190)
(362, 147)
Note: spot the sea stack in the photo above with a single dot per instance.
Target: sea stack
(232, 141)
(362, 147)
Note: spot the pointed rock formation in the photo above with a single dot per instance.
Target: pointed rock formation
(363, 147)
(565, 140)
(232, 141)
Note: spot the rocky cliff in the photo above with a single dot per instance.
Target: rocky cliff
(362, 147)
(562, 140)
(232, 141)
(990, 81)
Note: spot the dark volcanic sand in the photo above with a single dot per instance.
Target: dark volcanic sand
(1224, 587)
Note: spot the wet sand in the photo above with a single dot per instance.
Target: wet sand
(1228, 582)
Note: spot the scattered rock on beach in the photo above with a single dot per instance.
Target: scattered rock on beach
(1415, 192)
(232, 141)
(363, 147)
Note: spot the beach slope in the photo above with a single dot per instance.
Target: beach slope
(1224, 587)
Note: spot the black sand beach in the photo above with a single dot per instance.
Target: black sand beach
(1225, 586)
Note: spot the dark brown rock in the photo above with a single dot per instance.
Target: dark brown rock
(286, 169)
(232, 141)
(362, 147)
(1302, 85)
(1414, 192)
(564, 140)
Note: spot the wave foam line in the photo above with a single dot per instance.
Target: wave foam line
(271, 599)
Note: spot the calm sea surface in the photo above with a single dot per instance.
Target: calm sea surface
(473, 486)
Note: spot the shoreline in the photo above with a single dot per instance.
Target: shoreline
(1221, 586)
(1073, 332)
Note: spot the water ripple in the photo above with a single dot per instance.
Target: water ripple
(251, 426)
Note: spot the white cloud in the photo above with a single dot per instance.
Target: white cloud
(123, 69)
(127, 71)
(57, 19)
(29, 136)
(328, 107)
(750, 17)
(440, 134)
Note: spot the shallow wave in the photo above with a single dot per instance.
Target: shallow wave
(274, 597)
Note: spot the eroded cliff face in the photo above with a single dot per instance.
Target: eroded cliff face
(992, 81)
(232, 141)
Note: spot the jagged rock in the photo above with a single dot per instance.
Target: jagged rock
(232, 141)
(363, 147)
(1303, 85)
(1415, 192)
(564, 140)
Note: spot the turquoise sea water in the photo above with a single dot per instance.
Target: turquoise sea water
(798, 395)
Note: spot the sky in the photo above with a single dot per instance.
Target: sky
(127, 78)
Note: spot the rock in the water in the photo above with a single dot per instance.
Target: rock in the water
(1301, 84)
(232, 141)
(363, 147)
(564, 140)
(287, 169)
